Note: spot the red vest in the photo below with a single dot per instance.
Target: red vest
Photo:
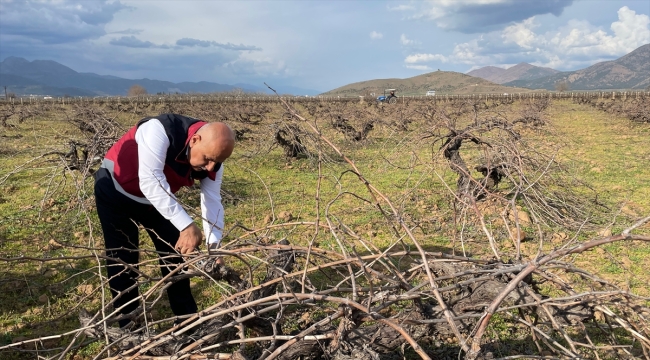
(178, 171)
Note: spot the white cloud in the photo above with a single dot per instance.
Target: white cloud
(521, 34)
(205, 43)
(128, 31)
(469, 52)
(406, 41)
(58, 22)
(579, 39)
(421, 58)
(253, 65)
(577, 44)
(631, 29)
(376, 35)
(419, 67)
(133, 42)
(479, 16)
(401, 8)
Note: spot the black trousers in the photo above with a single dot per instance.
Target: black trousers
(120, 217)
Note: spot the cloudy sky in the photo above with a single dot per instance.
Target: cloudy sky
(317, 44)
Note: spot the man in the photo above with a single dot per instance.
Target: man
(135, 186)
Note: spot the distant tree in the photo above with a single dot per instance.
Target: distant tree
(647, 88)
(562, 86)
(11, 95)
(136, 90)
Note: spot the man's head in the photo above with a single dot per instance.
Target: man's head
(213, 143)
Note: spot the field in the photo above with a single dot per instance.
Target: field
(493, 228)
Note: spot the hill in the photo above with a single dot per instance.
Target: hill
(521, 71)
(443, 82)
(46, 77)
(631, 71)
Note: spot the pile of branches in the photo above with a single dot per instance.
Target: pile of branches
(313, 303)
(511, 172)
(342, 125)
(636, 108)
(99, 132)
(290, 138)
(10, 111)
(534, 112)
(83, 151)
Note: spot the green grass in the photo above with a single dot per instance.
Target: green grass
(609, 154)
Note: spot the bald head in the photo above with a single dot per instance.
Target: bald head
(213, 143)
(218, 134)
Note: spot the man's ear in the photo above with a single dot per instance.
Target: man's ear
(194, 139)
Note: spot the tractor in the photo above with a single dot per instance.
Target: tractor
(391, 98)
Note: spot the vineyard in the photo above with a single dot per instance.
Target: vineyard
(478, 227)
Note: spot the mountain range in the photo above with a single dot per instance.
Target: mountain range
(631, 71)
(521, 71)
(47, 77)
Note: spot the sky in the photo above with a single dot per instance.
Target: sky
(317, 45)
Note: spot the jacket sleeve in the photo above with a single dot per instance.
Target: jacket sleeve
(212, 209)
(152, 150)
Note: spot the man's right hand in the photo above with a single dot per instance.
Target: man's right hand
(189, 239)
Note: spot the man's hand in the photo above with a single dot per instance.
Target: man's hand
(189, 239)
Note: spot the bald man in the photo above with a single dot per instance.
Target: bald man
(135, 186)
